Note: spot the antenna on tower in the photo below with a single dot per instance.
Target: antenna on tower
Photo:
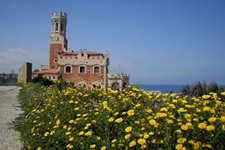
(121, 69)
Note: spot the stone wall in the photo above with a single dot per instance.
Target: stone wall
(25, 73)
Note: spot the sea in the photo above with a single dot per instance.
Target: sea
(164, 88)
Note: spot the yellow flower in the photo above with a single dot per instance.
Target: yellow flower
(137, 105)
(103, 148)
(67, 133)
(222, 118)
(114, 140)
(196, 145)
(151, 133)
(172, 106)
(143, 146)
(191, 141)
(223, 93)
(169, 121)
(206, 96)
(188, 124)
(98, 137)
(71, 139)
(158, 115)
(164, 109)
(178, 131)
(180, 110)
(116, 113)
(71, 121)
(210, 127)
(141, 141)
(52, 132)
(187, 116)
(207, 145)
(77, 108)
(179, 147)
(146, 135)
(127, 136)
(119, 120)
(57, 122)
(132, 143)
(128, 129)
(153, 141)
(181, 140)
(125, 99)
(69, 146)
(81, 133)
(206, 108)
(92, 146)
(152, 122)
(89, 133)
(184, 127)
(196, 119)
(212, 119)
(148, 110)
(46, 134)
(202, 125)
(130, 112)
(111, 119)
(39, 148)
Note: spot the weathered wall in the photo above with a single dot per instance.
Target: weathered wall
(25, 73)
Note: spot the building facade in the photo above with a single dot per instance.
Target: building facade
(82, 67)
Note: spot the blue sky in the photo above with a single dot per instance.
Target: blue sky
(155, 41)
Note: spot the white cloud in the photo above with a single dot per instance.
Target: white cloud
(13, 58)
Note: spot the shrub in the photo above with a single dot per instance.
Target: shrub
(201, 88)
(79, 118)
(41, 80)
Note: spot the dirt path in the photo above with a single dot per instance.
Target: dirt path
(9, 138)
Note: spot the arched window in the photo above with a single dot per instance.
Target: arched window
(82, 83)
(115, 86)
(56, 27)
(96, 69)
(82, 69)
(96, 86)
(68, 69)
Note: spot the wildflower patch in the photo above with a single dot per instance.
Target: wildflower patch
(78, 118)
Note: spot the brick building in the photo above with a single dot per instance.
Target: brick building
(81, 67)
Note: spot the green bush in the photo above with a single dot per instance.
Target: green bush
(41, 80)
(79, 118)
(200, 89)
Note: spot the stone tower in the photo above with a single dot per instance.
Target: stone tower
(57, 40)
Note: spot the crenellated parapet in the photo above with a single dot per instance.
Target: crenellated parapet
(119, 76)
(59, 15)
(44, 67)
(83, 57)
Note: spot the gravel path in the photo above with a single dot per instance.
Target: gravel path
(9, 138)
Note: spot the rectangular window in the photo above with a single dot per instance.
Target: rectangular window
(68, 69)
(61, 27)
(82, 69)
(56, 27)
(96, 69)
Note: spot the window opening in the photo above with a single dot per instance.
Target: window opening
(96, 69)
(68, 69)
(61, 27)
(82, 69)
(56, 26)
